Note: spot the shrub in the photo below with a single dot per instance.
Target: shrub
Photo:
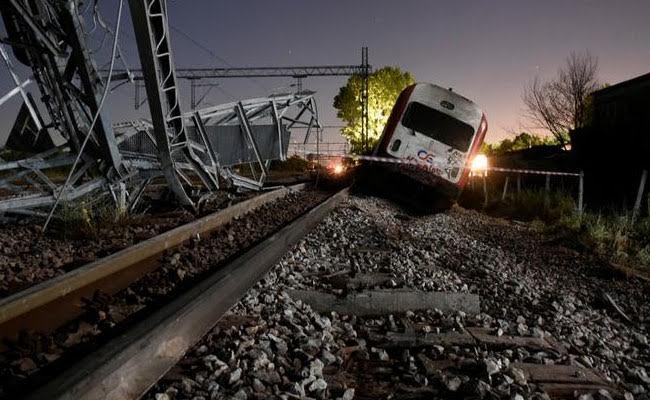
(88, 218)
(615, 237)
(293, 163)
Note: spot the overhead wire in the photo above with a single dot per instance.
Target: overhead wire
(214, 55)
(98, 19)
(95, 118)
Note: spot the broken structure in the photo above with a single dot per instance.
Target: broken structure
(189, 150)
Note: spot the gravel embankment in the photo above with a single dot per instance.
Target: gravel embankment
(28, 257)
(271, 346)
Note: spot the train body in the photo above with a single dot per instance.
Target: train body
(437, 132)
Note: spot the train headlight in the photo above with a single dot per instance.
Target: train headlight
(338, 168)
(479, 164)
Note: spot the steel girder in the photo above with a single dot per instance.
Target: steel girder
(48, 36)
(152, 36)
(28, 178)
(253, 72)
(281, 110)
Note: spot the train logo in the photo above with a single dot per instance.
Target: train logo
(426, 156)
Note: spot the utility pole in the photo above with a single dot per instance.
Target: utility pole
(365, 83)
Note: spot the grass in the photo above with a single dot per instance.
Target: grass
(616, 236)
(613, 236)
(58, 174)
(292, 164)
(527, 205)
(87, 218)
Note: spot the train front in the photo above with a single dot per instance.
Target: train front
(431, 134)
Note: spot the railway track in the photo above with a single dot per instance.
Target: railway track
(372, 304)
(326, 322)
(28, 257)
(118, 348)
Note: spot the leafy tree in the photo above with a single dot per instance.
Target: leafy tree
(385, 85)
(521, 141)
(562, 104)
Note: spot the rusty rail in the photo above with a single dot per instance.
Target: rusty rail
(128, 366)
(48, 305)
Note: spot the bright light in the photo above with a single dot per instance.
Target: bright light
(338, 168)
(479, 163)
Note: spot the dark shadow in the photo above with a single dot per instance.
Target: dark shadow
(407, 192)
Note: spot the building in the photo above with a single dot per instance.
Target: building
(614, 149)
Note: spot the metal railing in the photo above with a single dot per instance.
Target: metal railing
(319, 149)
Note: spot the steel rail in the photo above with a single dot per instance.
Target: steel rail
(128, 366)
(50, 304)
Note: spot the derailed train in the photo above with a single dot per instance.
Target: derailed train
(435, 133)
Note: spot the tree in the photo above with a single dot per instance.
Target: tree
(561, 104)
(519, 142)
(385, 85)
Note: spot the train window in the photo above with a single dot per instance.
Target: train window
(396, 145)
(438, 125)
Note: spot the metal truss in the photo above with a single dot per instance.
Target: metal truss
(252, 72)
(365, 94)
(29, 179)
(20, 88)
(281, 111)
(196, 150)
(48, 37)
(174, 145)
(196, 75)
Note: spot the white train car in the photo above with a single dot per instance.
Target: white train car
(439, 132)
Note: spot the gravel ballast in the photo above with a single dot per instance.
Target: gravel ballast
(273, 346)
(28, 256)
(180, 268)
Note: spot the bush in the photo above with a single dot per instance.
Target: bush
(293, 163)
(615, 237)
(87, 219)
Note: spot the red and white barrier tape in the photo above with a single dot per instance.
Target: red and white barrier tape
(440, 164)
(533, 171)
(447, 165)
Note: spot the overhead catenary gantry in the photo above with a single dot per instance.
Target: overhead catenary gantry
(197, 77)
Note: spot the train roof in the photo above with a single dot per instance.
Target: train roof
(447, 91)
(435, 95)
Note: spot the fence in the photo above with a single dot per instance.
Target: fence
(518, 173)
(318, 152)
(483, 172)
(317, 149)
(323, 151)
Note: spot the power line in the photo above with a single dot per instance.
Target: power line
(213, 54)
(202, 47)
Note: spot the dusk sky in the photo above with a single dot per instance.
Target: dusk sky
(485, 50)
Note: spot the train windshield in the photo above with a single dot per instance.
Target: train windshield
(439, 126)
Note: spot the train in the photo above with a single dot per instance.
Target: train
(433, 134)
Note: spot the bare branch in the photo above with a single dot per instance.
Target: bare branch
(559, 105)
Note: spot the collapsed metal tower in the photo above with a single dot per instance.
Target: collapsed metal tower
(206, 78)
(189, 150)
